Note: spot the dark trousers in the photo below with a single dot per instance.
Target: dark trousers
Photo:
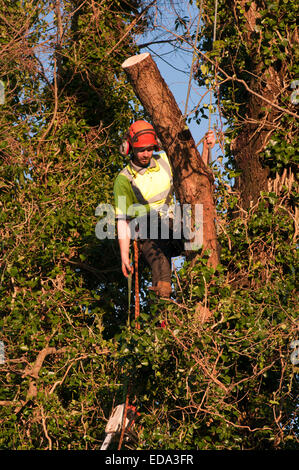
(158, 253)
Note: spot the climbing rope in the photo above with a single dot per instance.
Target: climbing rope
(137, 326)
(192, 66)
(211, 92)
(129, 293)
(137, 302)
(214, 39)
(193, 59)
(124, 417)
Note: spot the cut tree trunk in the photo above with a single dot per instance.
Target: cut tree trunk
(193, 180)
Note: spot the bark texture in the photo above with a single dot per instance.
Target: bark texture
(193, 180)
(261, 119)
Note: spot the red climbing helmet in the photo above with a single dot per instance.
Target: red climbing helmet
(141, 134)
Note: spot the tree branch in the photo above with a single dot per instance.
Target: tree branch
(234, 78)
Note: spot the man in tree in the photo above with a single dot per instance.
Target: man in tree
(143, 193)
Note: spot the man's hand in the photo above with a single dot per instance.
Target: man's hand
(126, 267)
(124, 236)
(210, 139)
(208, 143)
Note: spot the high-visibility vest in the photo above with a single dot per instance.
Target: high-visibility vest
(151, 188)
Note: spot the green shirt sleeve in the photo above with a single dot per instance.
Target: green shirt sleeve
(123, 197)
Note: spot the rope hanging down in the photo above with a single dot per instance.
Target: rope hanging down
(137, 304)
(211, 92)
(214, 39)
(192, 66)
(137, 326)
(193, 59)
(129, 293)
(124, 417)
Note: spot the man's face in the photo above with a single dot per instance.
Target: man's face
(142, 156)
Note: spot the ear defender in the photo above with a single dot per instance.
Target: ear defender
(125, 147)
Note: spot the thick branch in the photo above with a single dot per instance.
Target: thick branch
(193, 180)
(33, 373)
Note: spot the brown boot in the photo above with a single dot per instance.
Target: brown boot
(163, 289)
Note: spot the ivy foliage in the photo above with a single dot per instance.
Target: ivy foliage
(255, 51)
(228, 382)
(221, 375)
(66, 103)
